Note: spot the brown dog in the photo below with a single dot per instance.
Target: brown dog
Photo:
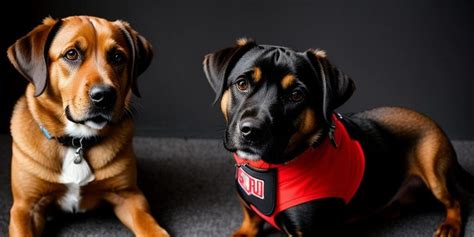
(72, 133)
(307, 170)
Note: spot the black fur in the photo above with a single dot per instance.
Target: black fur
(318, 218)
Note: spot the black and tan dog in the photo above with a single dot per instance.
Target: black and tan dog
(72, 133)
(279, 104)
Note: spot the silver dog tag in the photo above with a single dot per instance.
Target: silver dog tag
(78, 155)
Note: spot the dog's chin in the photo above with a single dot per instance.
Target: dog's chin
(248, 155)
(96, 122)
(95, 125)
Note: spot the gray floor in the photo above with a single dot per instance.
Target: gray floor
(189, 185)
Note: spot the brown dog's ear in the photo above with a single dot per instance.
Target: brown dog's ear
(337, 86)
(29, 54)
(141, 53)
(218, 65)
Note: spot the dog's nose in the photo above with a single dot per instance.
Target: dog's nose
(251, 130)
(103, 96)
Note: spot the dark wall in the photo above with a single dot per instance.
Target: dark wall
(417, 54)
(10, 87)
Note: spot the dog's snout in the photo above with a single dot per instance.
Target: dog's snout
(103, 96)
(251, 130)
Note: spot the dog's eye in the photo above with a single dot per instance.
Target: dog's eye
(71, 55)
(117, 58)
(242, 85)
(296, 96)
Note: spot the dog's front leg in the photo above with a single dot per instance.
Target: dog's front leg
(322, 217)
(131, 207)
(26, 219)
(27, 215)
(251, 224)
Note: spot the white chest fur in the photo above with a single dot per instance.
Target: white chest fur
(74, 176)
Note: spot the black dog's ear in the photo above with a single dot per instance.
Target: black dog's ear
(141, 53)
(218, 65)
(337, 86)
(29, 54)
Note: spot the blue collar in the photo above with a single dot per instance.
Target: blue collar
(70, 141)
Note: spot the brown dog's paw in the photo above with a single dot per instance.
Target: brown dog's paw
(163, 233)
(447, 229)
(158, 232)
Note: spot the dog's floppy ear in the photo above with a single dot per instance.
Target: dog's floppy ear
(218, 65)
(141, 53)
(29, 54)
(337, 87)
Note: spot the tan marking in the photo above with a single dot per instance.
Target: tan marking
(315, 138)
(320, 53)
(308, 121)
(243, 41)
(251, 223)
(206, 59)
(225, 102)
(306, 126)
(287, 81)
(257, 74)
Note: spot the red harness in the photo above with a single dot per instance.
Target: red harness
(321, 172)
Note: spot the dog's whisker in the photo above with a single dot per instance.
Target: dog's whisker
(129, 113)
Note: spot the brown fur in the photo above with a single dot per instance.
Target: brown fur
(37, 161)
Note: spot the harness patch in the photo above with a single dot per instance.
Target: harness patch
(257, 187)
(251, 185)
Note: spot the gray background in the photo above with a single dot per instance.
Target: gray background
(417, 54)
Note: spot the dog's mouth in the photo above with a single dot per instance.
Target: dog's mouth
(268, 152)
(244, 151)
(97, 122)
(248, 155)
(93, 120)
